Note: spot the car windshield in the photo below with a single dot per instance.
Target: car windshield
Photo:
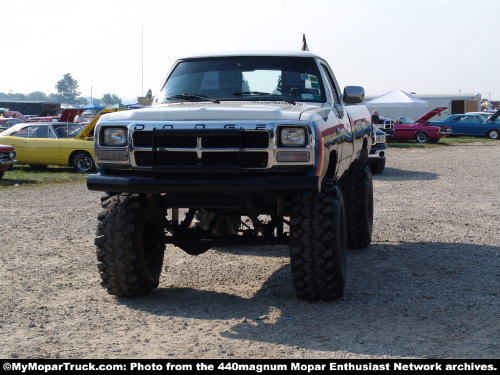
(406, 120)
(244, 78)
(67, 130)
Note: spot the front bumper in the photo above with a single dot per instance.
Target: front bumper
(378, 150)
(6, 164)
(133, 184)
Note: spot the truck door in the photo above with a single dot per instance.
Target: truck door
(338, 109)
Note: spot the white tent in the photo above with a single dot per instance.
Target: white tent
(396, 98)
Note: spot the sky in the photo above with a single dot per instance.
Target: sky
(421, 46)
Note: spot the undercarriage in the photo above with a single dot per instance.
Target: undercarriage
(318, 227)
(198, 223)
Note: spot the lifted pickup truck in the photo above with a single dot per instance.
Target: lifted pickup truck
(246, 149)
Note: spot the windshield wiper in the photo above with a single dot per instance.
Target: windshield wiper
(260, 93)
(193, 97)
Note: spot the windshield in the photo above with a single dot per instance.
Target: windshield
(67, 130)
(245, 78)
(406, 120)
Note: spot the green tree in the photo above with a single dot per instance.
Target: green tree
(55, 98)
(81, 101)
(110, 99)
(67, 88)
(37, 95)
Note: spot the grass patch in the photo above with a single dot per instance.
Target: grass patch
(458, 140)
(446, 141)
(23, 175)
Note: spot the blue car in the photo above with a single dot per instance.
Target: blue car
(474, 125)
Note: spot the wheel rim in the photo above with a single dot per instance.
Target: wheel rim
(493, 134)
(84, 163)
(421, 137)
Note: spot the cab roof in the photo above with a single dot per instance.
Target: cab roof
(254, 54)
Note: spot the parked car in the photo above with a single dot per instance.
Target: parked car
(385, 124)
(67, 115)
(420, 130)
(376, 158)
(7, 158)
(485, 114)
(6, 123)
(57, 143)
(404, 120)
(473, 125)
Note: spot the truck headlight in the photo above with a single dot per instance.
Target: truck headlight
(12, 155)
(114, 137)
(293, 137)
(381, 139)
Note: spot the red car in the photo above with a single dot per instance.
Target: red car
(7, 158)
(420, 130)
(67, 115)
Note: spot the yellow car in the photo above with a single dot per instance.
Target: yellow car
(58, 143)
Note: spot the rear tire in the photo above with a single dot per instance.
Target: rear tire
(130, 245)
(357, 188)
(318, 244)
(493, 134)
(83, 162)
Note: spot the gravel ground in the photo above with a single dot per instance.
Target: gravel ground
(427, 287)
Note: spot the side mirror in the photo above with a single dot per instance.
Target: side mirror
(354, 94)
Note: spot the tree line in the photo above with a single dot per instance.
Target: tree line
(66, 93)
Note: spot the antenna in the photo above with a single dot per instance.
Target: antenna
(304, 43)
(142, 59)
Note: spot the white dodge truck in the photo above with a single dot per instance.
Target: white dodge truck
(242, 149)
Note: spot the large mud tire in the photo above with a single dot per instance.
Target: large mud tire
(357, 188)
(130, 245)
(318, 244)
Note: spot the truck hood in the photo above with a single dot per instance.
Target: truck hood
(218, 112)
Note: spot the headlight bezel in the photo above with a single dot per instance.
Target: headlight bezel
(105, 137)
(285, 128)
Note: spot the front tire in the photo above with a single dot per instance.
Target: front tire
(377, 166)
(357, 188)
(130, 245)
(318, 244)
(422, 137)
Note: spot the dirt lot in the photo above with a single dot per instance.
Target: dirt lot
(427, 287)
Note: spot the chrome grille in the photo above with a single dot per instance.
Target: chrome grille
(221, 139)
(234, 148)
